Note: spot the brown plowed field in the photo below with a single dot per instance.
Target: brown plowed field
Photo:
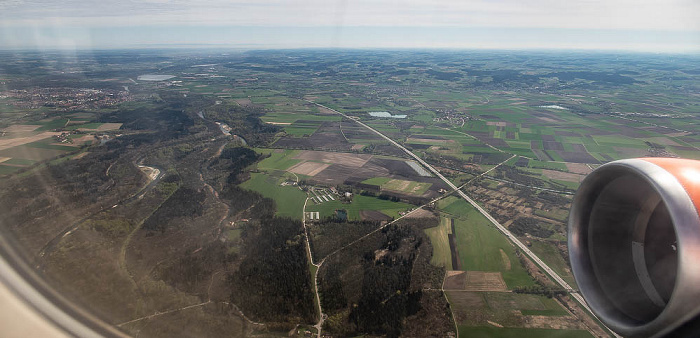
(350, 160)
(373, 215)
(107, 126)
(308, 168)
(421, 213)
(18, 141)
(19, 128)
(558, 175)
(485, 281)
(455, 280)
(474, 281)
(578, 168)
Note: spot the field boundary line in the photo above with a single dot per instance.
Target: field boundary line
(488, 216)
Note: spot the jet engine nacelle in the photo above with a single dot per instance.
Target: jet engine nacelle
(634, 244)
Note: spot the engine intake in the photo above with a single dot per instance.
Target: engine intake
(634, 244)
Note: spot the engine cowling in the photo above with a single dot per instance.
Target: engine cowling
(634, 245)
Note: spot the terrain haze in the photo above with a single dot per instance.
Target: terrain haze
(650, 26)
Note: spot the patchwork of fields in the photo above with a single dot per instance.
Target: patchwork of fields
(289, 165)
(488, 268)
(23, 145)
(537, 122)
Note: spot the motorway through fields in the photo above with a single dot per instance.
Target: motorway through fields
(498, 225)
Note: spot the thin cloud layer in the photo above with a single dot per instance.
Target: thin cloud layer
(683, 15)
(641, 25)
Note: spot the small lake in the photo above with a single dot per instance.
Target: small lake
(151, 77)
(386, 114)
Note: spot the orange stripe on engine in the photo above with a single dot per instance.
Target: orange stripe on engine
(687, 172)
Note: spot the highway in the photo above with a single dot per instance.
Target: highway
(498, 225)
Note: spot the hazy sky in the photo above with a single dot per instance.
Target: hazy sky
(661, 26)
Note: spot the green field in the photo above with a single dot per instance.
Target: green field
(94, 125)
(306, 128)
(298, 123)
(289, 199)
(477, 309)
(547, 165)
(557, 214)
(32, 153)
(440, 243)
(551, 256)
(401, 186)
(19, 161)
(527, 304)
(6, 169)
(50, 125)
(358, 204)
(407, 187)
(280, 159)
(495, 332)
(479, 244)
(47, 144)
(233, 234)
(377, 180)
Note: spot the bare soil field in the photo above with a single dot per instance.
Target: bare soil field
(577, 156)
(421, 213)
(558, 175)
(547, 119)
(18, 141)
(326, 111)
(373, 215)
(484, 281)
(664, 140)
(468, 300)
(19, 128)
(108, 126)
(396, 167)
(308, 168)
(553, 322)
(340, 173)
(29, 153)
(541, 155)
(326, 137)
(474, 281)
(553, 145)
(3, 159)
(428, 140)
(243, 102)
(631, 152)
(347, 168)
(506, 260)
(578, 168)
(81, 155)
(455, 280)
(350, 160)
(498, 124)
(677, 134)
(83, 140)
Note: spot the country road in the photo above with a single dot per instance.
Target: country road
(488, 216)
(317, 297)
